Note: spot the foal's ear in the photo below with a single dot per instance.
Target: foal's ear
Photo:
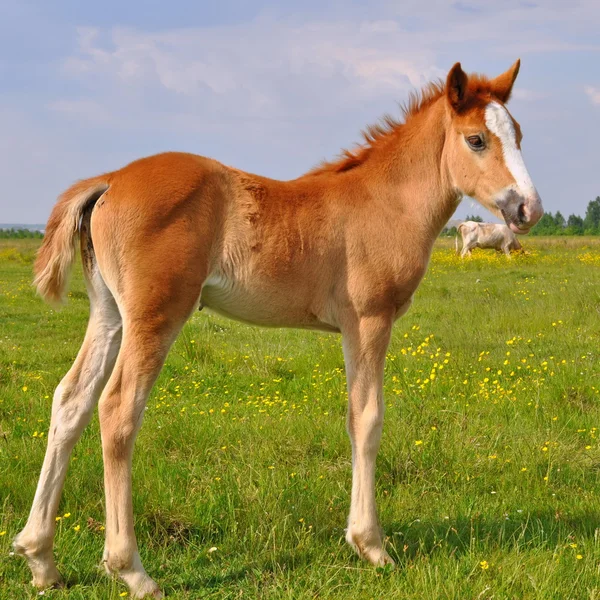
(502, 86)
(456, 87)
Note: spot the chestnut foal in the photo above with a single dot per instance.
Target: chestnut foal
(342, 249)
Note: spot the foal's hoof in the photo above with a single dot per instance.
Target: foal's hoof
(149, 589)
(384, 559)
(44, 583)
(377, 557)
(369, 550)
(140, 584)
(44, 571)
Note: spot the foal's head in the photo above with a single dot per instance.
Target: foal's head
(483, 147)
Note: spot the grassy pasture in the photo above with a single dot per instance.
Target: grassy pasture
(488, 475)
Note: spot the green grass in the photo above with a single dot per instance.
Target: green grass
(244, 449)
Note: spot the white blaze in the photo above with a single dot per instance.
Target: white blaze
(499, 122)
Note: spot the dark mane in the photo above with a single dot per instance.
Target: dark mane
(387, 126)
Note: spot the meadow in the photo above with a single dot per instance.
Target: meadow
(488, 477)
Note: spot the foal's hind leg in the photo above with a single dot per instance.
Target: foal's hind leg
(121, 412)
(72, 407)
(149, 331)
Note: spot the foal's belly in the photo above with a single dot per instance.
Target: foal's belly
(260, 304)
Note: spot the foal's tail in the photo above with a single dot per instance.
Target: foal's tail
(57, 253)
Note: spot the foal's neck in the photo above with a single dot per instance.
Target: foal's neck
(411, 176)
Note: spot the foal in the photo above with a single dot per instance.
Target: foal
(342, 249)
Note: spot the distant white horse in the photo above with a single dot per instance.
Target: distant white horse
(486, 235)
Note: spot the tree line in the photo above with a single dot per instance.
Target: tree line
(19, 234)
(556, 224)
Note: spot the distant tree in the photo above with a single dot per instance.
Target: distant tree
(545, 226)
(574, 225)
(591, 222)
(475, 218)
(448, 231)
(559, 220)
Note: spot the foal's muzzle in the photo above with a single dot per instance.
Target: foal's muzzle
(520, 212)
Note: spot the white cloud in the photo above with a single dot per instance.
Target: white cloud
(593, 93)
(257, 61)
(295, 68)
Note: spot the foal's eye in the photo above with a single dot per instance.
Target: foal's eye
(476, 142)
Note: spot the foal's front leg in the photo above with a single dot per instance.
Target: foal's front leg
(365, 343)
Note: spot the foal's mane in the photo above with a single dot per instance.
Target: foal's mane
(375, 135)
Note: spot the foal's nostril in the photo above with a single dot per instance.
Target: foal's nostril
(521, 213)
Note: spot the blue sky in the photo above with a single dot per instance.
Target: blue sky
(274, 87)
